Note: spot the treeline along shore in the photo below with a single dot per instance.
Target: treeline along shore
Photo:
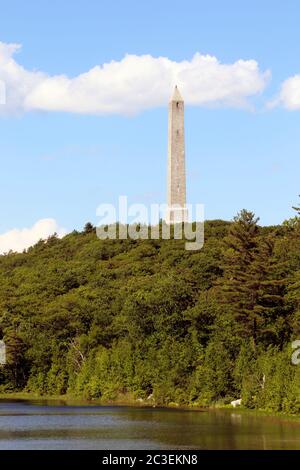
(100, 319)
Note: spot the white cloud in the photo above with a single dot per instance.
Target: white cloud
(130, 85)
(20, 239)
(289, 94)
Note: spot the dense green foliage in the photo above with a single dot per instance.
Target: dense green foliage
(101, 318)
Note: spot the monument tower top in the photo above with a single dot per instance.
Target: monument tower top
(176, 95)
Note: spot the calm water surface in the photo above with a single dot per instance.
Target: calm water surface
(44, 425)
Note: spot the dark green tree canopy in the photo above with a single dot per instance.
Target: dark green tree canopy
(108, 318)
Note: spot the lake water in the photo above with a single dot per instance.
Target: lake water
(48, 425)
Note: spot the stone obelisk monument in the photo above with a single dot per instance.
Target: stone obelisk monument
(176, 200)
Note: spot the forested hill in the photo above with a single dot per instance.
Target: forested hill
(98, 319)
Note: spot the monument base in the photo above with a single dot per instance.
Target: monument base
(176, 215)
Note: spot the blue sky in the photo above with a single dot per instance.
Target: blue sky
(62, 165)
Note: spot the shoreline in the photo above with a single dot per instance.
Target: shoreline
(127, 401)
